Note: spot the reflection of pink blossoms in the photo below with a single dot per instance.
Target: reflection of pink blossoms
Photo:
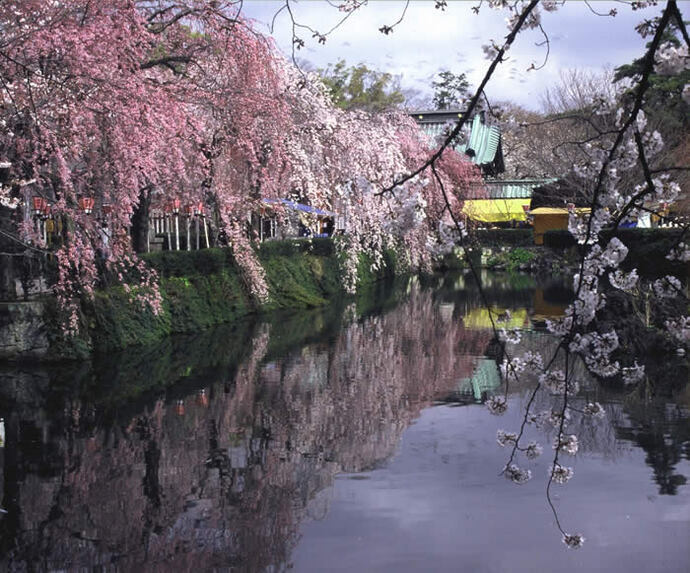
(497, 405)
(595, 410)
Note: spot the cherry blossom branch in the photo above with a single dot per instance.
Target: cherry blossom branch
(643, 84)
(666, 169)
(166, 61)
(564, 117)
(650, 188)
(160, 27)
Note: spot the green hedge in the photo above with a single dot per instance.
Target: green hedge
(497, 237)
(647, 248)
(322, 247)
(559, 239)
(299, 279)
(188, 263)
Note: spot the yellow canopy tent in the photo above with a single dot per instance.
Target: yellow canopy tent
(478, 318)
(496, 210)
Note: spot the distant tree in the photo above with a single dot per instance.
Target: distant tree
(450, 90)
(359, 87)
(666, 104)
(576, 90)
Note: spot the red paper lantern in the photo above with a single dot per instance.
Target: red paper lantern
(188, 209)
(39, 204)
(179, 408)
(86, 204)
(202, 398)
(199, 208)
(176, 206)
(107, 209)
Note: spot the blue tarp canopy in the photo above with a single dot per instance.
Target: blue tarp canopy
(300, 207)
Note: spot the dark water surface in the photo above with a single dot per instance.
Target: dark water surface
(350, 438)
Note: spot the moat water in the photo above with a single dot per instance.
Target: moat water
(350, 438)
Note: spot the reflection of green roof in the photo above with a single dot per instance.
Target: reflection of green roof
(484, 379)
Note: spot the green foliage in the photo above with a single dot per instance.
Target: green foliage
(358, 87)
(115, 322)
(518, 257)
(511, 259)
(663, 102)
(63, 347)
(188, 263)
(368, 275)
(299, 280)
(450, 90)
(455, 260)
(197, 302)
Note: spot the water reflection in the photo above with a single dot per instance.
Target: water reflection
(113, 465)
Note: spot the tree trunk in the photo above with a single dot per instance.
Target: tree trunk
(140, 221)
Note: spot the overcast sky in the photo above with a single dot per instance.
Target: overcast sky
(429, 40)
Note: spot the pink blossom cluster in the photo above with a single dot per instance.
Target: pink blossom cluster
(132, 104)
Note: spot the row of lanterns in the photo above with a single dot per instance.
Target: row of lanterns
(190, 210)
(201, 400)
(46, 225)
(196, 210)
(42, 212)
(41, 207)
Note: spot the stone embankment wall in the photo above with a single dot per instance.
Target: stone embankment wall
(22, 330)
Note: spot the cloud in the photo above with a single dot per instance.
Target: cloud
(428, 40)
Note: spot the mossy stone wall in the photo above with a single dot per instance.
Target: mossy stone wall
(204, 288)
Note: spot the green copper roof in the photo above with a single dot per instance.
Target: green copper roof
(483, 143)
(483, 140)
(514, 188)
